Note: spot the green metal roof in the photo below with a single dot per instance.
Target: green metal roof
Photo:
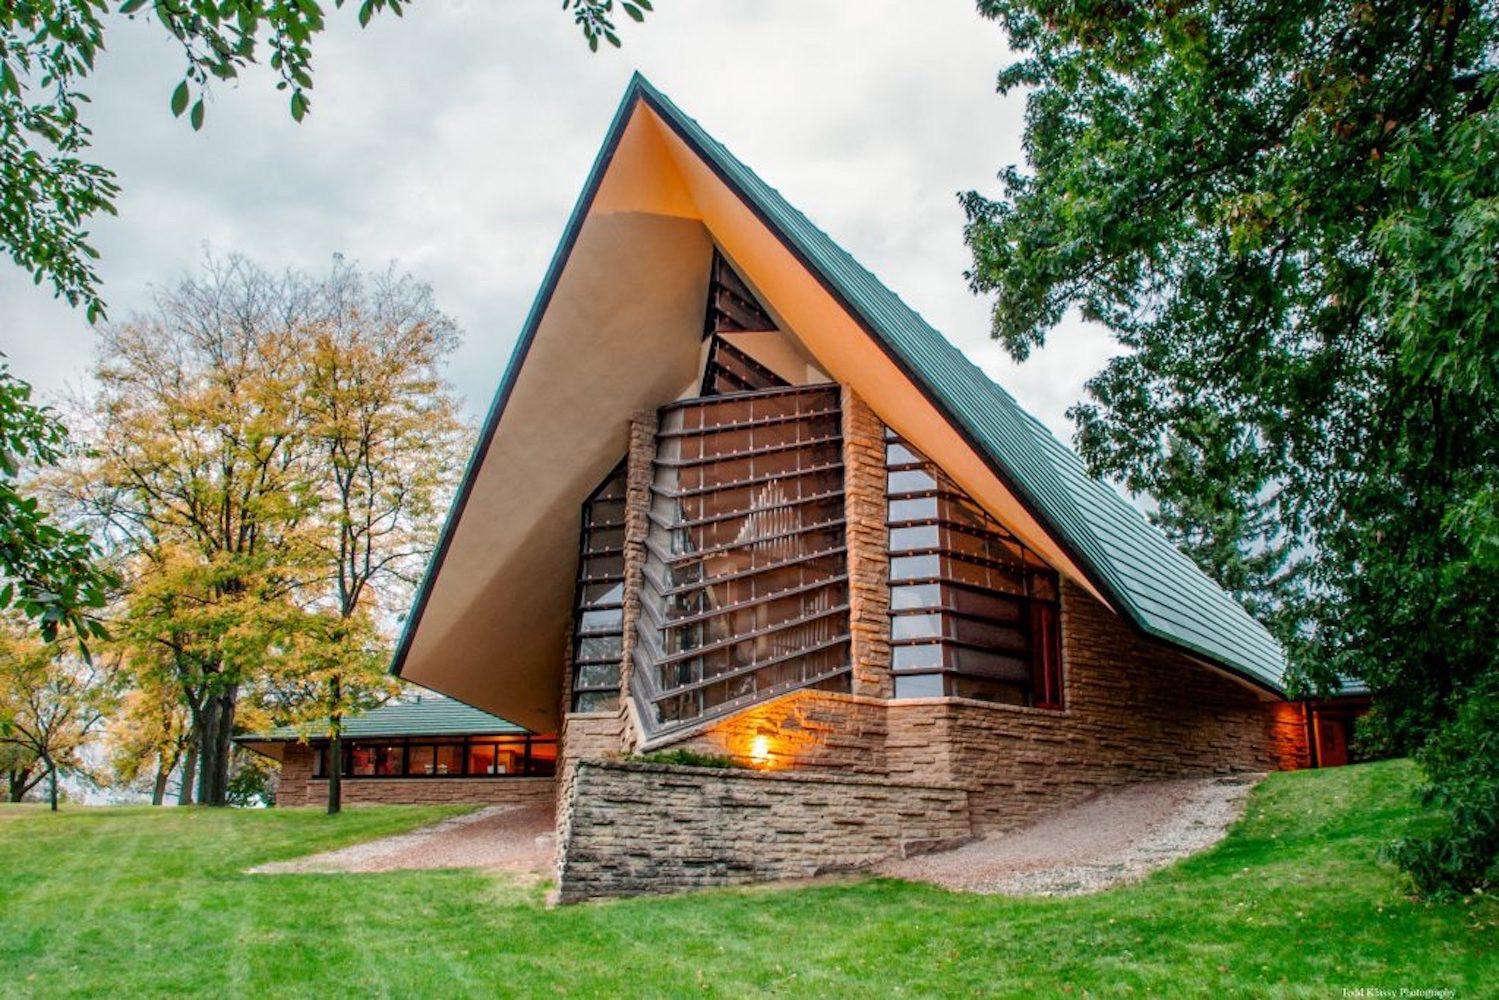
(428, 717)
(1144, 575)
(1126, 558)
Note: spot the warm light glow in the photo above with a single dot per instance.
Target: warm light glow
(760, 750)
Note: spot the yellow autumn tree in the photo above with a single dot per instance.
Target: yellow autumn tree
(269, 456)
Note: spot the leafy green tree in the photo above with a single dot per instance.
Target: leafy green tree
(48, 49)
(47, 570)
(1288, 215)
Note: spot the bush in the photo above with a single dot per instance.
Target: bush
(686, 758)
(1461, 762)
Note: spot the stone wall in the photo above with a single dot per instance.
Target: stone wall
(818, 730)
(297, 787)
(865, 511)
(639, 473)
(630, 828)
(1135, 710)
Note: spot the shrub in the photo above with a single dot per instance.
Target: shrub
(687, 758)
(1462, 769)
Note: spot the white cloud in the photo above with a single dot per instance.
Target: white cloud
(454, 142)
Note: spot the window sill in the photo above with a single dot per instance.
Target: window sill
(996, 706)
(440, 777)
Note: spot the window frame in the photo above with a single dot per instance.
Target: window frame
(531, 764)
(1034, 594)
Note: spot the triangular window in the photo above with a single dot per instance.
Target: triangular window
(732, 307)
(730, 370)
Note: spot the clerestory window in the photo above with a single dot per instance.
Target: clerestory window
(973, 612)
(745, 590)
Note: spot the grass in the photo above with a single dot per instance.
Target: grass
(141, 902)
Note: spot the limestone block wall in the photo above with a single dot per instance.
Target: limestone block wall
(816, 730)
(639, 472)
(1136, 710)
(865, 506)
(632, 828)
(297, 787)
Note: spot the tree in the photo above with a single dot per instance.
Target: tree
(196, 481)
(149, 735)
(1288, 217)
(270, 456)
(51, 702)
(48, 49)
(386, 442)
(47, 570)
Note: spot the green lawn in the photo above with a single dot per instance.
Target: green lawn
(132, 902)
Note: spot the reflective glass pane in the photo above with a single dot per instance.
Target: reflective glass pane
(421, 759)
(449, 759)
(747, 559)
(913, 509)
(600, 647)
(984, 598)
(598, 675)
(911, 481)
(595, 701)
(919, 686)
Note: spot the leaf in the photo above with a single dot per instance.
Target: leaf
(634, 12)
(197, 116)
(179, 99)
(131, 6)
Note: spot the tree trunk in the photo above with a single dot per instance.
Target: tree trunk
(17, 784)
(213, 762)
(335, 750)
(52, 780)
(189, 771)
(159, 786)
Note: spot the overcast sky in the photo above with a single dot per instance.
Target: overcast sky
(454, 141)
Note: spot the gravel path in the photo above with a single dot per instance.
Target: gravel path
(502, 838)
(1117, 836)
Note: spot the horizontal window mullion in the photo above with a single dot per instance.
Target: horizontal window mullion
(672, 525)
(752, 602)
(779, 390)
(719, 644)
(699, 555)
(741, 574)
(783, 418)
(736, 456)
(1022, 652)
(738, 672)
(740, 484)
(942, 609)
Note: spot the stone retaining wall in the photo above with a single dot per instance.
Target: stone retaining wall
(631, 828)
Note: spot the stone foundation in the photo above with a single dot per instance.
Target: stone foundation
(1135, 710)
(297, 787)
(633, 828)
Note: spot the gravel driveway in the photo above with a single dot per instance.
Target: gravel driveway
(502, 838)
(1117, 836)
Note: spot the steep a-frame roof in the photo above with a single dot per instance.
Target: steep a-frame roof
(1089, 529)
(1158, 588)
